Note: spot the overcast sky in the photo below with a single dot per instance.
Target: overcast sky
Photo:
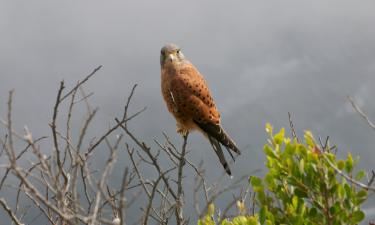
(261, 60)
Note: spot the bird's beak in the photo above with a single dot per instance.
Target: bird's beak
(171, 57)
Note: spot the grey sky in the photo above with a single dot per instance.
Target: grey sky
(261, 59)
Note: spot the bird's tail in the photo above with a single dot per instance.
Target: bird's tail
(219, 152)
(216, 135)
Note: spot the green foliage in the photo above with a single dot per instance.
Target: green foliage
(238, 220)
(302, 186)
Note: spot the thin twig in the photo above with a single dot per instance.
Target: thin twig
(109, 165)
(372, 178)
(81, 82)
(53, 127)
(227, 208)
(18, 157)
(10, 212)
(361, 113)
(359, 184)
(151, 197)
(10, 148)
(119, 124)
(292, 127)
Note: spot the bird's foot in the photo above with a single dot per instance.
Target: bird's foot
(182, 131)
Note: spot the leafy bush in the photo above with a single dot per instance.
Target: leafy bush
(303, 185)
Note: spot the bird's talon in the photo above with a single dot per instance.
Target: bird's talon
(182, 131)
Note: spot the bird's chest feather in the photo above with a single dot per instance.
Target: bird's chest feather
(176, 93)
(167, 87)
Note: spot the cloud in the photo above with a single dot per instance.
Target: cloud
(261, 59)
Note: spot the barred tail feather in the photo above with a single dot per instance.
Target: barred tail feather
(218, 133)
(219, 152)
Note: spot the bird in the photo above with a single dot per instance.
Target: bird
(189, 100)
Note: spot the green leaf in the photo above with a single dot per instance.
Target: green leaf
(295, 202)
(334, 189)
(309, 138)
(269, 151)
(313, 212)
(290, 149)
(335, 208)
(261, 195)
(300, 193)
(358, 216)
(256, 181)
(269, 129)
(349, 163)
(361, 197)
(240, 220)
(301, 166)
(290, 164)
(211, 209)
(262, 215)
(252, 220)
(226, 222)
(362, 194)
(301, 150)
(361, 174)
(340, 191)
(348, 190)
(279, 137)
(270, 179)
(340, 164)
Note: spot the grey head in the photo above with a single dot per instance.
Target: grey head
(170, 53)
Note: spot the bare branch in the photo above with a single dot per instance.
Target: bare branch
(18, 157)
(151, 197)
(10, 148)
(53, 180)
(53, 127)
(179, 200)
(109, 165)
(227, 208)
(292, 127)
(372, 178)
(359, 184)
(81, 82)
(361, 113)
(10, 212)
(119, 124)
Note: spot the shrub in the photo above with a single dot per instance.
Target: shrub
(304, 184)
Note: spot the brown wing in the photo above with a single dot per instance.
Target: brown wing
(192, 96)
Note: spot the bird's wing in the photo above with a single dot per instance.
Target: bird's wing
(193, 98)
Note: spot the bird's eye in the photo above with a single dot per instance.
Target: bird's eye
(178, 51)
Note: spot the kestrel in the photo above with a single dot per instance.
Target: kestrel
(189, 100)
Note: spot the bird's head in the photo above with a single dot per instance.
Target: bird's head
(170, 54)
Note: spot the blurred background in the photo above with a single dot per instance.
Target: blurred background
(261, 59)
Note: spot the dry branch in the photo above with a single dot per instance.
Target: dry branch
(68, 189)
(361, 113)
